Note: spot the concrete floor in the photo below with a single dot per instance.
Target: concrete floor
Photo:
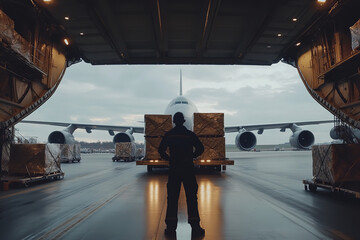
(260, 197)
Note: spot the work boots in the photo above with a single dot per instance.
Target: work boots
(197, 231)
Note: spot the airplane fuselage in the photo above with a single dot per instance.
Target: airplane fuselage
(185, 106)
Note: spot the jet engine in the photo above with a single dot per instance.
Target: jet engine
(61, 137)
(302, 139)
(245, 141)
(124, 137)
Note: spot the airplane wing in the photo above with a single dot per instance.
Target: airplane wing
(90, 126)
(281, 126)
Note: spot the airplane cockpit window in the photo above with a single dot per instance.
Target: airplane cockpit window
(180, 102)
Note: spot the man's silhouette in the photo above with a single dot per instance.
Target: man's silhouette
(181, 143)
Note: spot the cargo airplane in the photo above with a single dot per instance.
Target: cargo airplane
(245, 139)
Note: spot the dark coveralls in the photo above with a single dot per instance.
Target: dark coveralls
(181, 143)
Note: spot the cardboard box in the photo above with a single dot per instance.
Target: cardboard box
(151, 148)
(209, 124)
(214, 148)
(34, 159)
(336, 163)
(157, 125)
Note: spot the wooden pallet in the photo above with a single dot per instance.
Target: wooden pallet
(26, 181)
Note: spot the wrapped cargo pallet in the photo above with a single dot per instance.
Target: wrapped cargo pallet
(209, 124)
(214, 148)
(125, 150)
(77, 154)
(34, 159)
(336, 163)
(157, 125)
(70, 152)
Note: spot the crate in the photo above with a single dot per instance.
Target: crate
(336, 163)
(157, 125)
(209, 124)
(151, 148)
(214, 148)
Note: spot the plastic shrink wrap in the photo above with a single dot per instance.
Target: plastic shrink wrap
(34, 159)
(70, 152)
(355, 35)
(336, 163)
(125, 149)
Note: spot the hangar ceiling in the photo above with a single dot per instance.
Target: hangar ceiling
(183, 32)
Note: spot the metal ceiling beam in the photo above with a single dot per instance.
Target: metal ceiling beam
(160, 27)
(208, 16)
(105, 26)
(269, 7)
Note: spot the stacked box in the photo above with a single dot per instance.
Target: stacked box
(151, 148)
(336, 163)
(214, 148)
(125, 149)
(209, 124)
(155, 128)
(157, 125)
(34, 159)
(209, 127)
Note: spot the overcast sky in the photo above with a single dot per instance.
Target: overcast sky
(122, 94)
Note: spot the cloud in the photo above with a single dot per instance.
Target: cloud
(122, 94)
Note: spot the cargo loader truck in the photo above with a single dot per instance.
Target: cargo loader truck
(209, 127)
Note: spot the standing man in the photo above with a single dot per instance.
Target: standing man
(181, 143)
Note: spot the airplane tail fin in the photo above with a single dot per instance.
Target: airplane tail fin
(180, 82)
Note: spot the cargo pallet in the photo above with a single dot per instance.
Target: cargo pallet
(26, 181)
(350, 190)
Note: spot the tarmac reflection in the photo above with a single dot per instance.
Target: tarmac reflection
(209, 202)
(155, 200)
(210, 205)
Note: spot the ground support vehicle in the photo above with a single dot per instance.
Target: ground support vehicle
(209, 127)
(215, 164)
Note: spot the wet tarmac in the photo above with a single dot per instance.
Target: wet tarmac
(260, 197)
